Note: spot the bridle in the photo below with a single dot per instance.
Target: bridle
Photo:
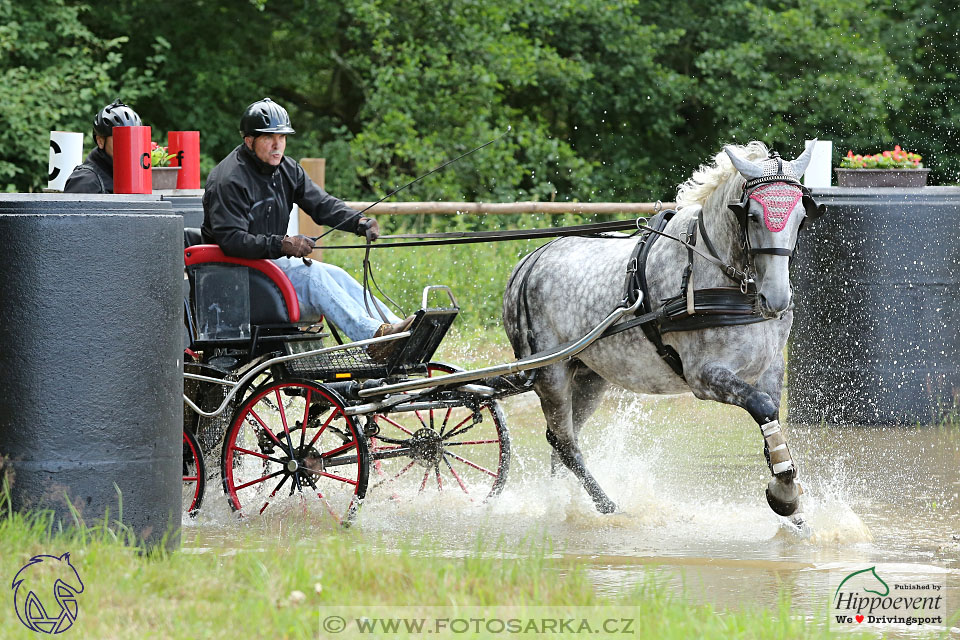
(777, 176)
(786, 182)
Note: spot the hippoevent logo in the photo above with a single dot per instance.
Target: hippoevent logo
(864, 597)
(45, 594)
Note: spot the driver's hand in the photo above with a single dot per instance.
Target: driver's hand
(296, 246)
(368, 227)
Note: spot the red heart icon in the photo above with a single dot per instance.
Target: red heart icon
(859, 618)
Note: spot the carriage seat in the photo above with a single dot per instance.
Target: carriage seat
(217, 286)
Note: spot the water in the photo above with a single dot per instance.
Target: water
(688, 477)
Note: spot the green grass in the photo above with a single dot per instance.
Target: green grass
(249, 588)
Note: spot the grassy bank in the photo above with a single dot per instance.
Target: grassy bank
(279, 580)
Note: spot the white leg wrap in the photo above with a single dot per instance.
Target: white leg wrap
(780, 459)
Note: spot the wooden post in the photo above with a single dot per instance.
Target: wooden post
(316, 169)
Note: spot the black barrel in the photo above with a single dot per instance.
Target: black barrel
(90, 358)
(875, 338)
(189, 207)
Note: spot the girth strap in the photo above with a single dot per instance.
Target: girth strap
(637, 281)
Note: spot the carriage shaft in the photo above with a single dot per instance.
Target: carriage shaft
(537, 360)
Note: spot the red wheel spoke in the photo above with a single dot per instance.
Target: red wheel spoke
(273, 493)
(472, 464)
(190, 478)
(398, 474)
(334, 452)
(306, 416)
(456, 475)
(423, 485)
(439, 482)
(331, 476)
(446, 418)
(455, 444)
(420, 418)
(324, 426)
(454, 432)
(330, 510)
(257, 454)
(267, 477)
(265, 427)
(397, 425)
(283, 419)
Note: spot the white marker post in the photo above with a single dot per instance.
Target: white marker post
(818, 171)
(66, 152)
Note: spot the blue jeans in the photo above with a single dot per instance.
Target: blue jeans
(327, 290)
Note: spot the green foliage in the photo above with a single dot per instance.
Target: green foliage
(607, 99)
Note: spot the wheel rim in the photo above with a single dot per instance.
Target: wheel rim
(461, 450)
(194, 475)
(292, 439)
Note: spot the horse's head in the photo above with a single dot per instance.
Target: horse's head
(772, 208)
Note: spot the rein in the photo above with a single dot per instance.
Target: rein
(471, 237)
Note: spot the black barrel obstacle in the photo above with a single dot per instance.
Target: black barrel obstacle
(875, 337)
(91, 358)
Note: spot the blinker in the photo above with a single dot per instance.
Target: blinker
(812, 209)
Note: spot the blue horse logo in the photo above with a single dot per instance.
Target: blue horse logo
(33, 586)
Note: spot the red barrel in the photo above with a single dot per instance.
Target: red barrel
(131, 160)
(185, 147)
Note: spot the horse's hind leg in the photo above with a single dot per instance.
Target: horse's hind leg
(587, 392)
(718, 383)
(554, 387)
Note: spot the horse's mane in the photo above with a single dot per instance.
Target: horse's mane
(711, 183)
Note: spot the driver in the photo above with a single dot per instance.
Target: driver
(246, 210)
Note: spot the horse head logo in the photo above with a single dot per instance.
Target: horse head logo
(867, 581)
(45, 593)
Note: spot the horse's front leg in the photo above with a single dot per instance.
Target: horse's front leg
(554, 387)
(716, 382)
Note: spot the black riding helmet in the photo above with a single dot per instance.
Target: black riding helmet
(265, 116)
(113, 115)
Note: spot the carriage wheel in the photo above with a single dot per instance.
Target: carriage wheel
(463, 450)
(291, 440)
(194, 474)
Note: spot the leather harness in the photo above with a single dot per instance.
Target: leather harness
(691, 308)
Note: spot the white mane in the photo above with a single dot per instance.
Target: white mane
(711, 182)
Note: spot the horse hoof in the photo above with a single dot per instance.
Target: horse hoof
(783, 498)
(797, 525)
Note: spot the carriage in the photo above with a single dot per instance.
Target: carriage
(293, 410)
(330, 422)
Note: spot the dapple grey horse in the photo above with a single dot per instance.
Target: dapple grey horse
(571, 284)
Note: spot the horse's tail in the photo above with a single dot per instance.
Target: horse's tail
(515, 304)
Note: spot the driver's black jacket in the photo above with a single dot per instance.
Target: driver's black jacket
(247, 203)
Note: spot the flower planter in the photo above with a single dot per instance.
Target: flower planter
(164, 178)
(881, 177)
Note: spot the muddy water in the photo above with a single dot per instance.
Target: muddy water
(688, 477)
